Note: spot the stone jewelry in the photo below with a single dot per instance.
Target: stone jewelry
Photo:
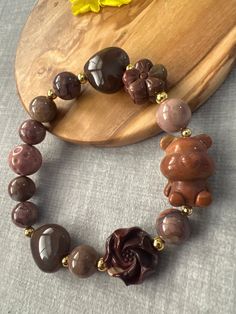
(131, 253)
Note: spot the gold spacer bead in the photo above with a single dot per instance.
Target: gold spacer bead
(51, 94)
(129, 67)
(101, 266)
(185, 210)
(158, 243)
(186, 132)
(161, 97)
(82, 78)
(65, 261)
(29, 232)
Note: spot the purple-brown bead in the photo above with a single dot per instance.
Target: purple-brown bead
(25, 214)
(25, 159)
(173, 226)
(21, 189)
(42, 109)
(32, 132)
(82, 261)
(66, 85)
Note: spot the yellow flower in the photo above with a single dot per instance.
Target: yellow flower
(83, 6)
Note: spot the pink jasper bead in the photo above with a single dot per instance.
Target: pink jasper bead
(32, 132)
(25, 159)
(173, 115)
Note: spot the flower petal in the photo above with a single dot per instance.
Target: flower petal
(83, 6)
(114, 3)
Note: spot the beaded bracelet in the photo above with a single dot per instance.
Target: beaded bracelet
(131, 253)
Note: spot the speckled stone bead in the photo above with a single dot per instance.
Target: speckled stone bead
(173, 115)
(21, 189)
(66, 85)
(25, 214)
(32, 132)
(173, 226)
(43, 109)
(82, 261)
(25, 159)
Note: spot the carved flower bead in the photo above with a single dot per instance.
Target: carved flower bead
(144, 81)
(130, 255)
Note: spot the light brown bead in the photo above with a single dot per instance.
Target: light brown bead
(43, 109)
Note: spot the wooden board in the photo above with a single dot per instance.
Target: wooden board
(195, 40)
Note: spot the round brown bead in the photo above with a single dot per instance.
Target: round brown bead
(25, 214)
(21, 189)
(43, 109)
(172, 226)
(32, 132)
(66, 85)
(82, 261)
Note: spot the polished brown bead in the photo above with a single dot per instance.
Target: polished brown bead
(173, 226)
(21, 189)
(66, 85)
(49, 245)
(82, 261)
(187, 166)
(105, 69)
(25, 214)
(25, 159)
(32, 132)
(43, 109)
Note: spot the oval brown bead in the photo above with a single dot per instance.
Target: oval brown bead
(49, 245)
(82, 261)
(32, 132)
(173, 226)
(21, 188)
(25, 214)
(66, 85)
(43, 109)
(105, 69)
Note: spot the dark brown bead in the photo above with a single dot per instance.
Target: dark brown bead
(25, 214)
(66, 85)
(130, 255)
(173, 226)
(25, 159)
(32, 132)
(43, 109)
(49, 245)
(187, 166)
(21, 189)
(105, 69)
(82, 261)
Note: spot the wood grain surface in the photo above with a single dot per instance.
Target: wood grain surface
(195, 40)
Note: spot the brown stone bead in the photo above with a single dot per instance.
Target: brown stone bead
(25, 159)
(105, 69)
(25, 214)
(43, 109)
(187, 166)
(82, 261)
(66, 85)
(49, 245)
(173, 226)
(32, 132)
(21, 189)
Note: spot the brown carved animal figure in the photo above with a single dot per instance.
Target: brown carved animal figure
(187, 166)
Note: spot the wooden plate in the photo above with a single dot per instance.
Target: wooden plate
(195, 40)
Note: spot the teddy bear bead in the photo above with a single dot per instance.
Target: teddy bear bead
(173, 115)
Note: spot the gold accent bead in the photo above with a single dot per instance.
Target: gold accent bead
(51, 94)
(129, 67)
(186, 210)
(161, 97)
(65, 261)
(186, 132)
(29, 232)
(101, 266)
(158, 243)
(82, 78)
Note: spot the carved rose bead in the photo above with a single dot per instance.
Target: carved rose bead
(130, 255)
(145, 81)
